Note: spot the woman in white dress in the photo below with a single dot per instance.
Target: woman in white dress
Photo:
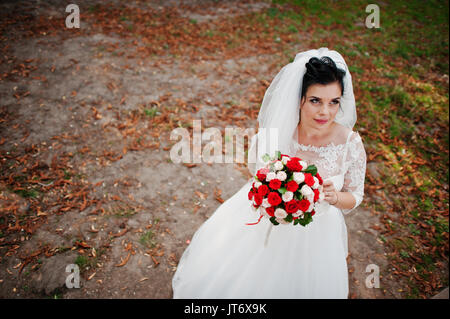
(311, 106)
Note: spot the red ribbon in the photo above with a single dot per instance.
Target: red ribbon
(256, 222)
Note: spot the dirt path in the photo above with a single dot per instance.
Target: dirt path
(93, 115)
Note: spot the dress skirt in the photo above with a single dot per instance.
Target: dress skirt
(228, 259)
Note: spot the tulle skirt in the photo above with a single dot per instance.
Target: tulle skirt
(228, 259)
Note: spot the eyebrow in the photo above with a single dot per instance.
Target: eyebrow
(336, 98)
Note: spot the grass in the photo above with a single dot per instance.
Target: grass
(402, 103)
(148, 239)
(27, 193)
(82, 261)
(89, 262)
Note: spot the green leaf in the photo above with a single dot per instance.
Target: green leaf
(289, 218)
(265, 157)
(312, 169)
(282, 190)
(272, 219)
(302, 221)
(308, 218)
(278, 155)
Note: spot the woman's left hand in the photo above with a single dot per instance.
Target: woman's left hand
(330, 192)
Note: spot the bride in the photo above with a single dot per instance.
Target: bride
(311, 105)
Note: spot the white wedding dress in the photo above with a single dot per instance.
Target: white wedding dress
(229, 259)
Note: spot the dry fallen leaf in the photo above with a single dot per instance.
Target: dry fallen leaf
(121, 233)
(17, 266)
(39, 213)
(200, 194)
(155, 261)
(91, 276)
(83, 244)
(124, 261)
(217, 195)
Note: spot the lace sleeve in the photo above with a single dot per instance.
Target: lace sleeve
(356, 170)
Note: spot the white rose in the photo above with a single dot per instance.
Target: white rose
(281, 221)
(310, 198)
(280, 213)
(316, 182)
(303, 164)
(278, 165)
(306, 190)
(265, 203)
(270, 176)
(311, 207)
(299, 177)
(281, 176)
(284, 160)
(288, 196)
(257, 184)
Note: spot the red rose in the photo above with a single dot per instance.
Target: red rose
(250, 195)
(263, 190)
(294, 165)
(312, 213)
(261, 173)
(292, 186)
(275, 184)
(303, 205)
(298, 159)
(273, 198)
(291, 206)
(316, 195)
(270, 210)
(261, 176)
(309, 179)
(319, 178)
(258, 199)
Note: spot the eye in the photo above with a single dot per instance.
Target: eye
(335, 102)
(314, 100)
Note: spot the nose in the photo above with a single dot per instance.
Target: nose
(323, 109)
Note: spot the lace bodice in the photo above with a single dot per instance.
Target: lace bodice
(343, 160)
(330, 162)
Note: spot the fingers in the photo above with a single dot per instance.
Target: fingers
(327, 183)
(330, 197)
(328, 187)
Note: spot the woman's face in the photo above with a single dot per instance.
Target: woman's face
(320, 105)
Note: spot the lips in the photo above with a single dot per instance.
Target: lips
(321, 121)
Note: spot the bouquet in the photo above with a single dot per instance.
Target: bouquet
(286, 190)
